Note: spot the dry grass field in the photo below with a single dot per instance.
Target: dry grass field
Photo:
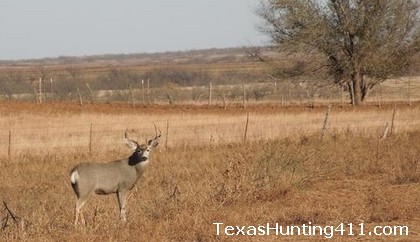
(203, 172)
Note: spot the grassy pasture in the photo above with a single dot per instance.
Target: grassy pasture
(204, 172)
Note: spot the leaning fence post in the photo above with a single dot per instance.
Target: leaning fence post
(393, 117)
(385, 132)
(92, 95)
(246, 127)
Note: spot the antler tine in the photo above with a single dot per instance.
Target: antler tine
(155, 129)
(126, 137)
(125, 133)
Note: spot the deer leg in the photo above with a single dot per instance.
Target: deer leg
(79, 205)
(122, 199)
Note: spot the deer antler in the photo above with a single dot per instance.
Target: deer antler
(125, 134)
(129, 140)
(156, 134)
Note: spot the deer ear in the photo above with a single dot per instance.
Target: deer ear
(153, 143)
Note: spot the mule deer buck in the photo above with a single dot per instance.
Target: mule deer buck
(118, 176)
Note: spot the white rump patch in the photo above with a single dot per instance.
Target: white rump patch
(74, 177)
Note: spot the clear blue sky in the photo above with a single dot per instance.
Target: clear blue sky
(52, 28)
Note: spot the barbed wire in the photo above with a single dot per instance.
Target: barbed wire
(179, 132)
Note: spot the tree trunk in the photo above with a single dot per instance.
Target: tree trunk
(357, 86)
(357, 92)
(365, 89)
(351, 91)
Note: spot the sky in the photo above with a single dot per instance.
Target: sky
(32, 29)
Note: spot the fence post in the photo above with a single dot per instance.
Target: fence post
(92, 96)
(246, 127)
(36, 96)
(51, 85)
(210, 89)
(224, 101)
(9, 148)
(40, 90)
(385, 132)
(325, 125)
(148, 91)
(142, 91)
(132, 96)
(80, 96)
(244, 95)
(282, 100)
(393, 117)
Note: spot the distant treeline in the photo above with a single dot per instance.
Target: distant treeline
(62, 77)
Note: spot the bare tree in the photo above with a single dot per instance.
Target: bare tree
(362, 43)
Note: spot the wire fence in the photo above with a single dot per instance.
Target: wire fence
(195, 130)
(406, 89)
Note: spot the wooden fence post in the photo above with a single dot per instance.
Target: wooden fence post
(36, 96)
(244, 95)
(142, 92)
(40, 90)
(92, 96)
(51, 85)
(148, 91)
(393, 118)
(133, 104)
(385, 132)
(224, 101)
(246, 127)
(9, 148)
(325, 124)
(80, 96)
(210, 90)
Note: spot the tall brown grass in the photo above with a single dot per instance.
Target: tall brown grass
(49, 127)
(349, 176)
